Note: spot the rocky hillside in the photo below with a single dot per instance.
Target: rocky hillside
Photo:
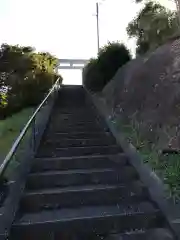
(146, 93)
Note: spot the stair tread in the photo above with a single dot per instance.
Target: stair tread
(50, 140)
(78, 151)
(107, 156)
(81, 177)
(78, 188)
(74, 135)
(59, 147)
(85, 147)
(77, 142)
(86, 213)
(41, 165)
(74, 171)
(150, 234)
(101, 132)
(94, 126)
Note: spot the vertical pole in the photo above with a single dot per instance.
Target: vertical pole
(177, 4)
(178, 10)
(97, 16)
(34, 135)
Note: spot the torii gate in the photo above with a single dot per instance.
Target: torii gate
(71, 64)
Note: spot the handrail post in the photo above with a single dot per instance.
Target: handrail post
(33, 135)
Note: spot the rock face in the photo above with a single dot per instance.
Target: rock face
(146, 92)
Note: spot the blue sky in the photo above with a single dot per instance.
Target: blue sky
(66, 28)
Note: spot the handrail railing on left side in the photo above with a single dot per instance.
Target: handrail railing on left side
(32, 120)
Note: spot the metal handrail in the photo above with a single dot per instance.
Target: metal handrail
(15, 145)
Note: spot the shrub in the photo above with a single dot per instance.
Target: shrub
(92, 76)
(98, 72)
(26, 76)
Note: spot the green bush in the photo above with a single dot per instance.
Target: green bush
(92, 76)
(25, 77)
(98, 72)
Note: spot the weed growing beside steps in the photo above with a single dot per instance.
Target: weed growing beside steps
(166, 166)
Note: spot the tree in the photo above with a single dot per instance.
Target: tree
(177, 3)
(98, 72)
(25, 77)
(139, 1)
(152, 27)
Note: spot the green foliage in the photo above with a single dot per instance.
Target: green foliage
(167, 166)
(3, 99)
(10, 129)
(153, 26)
(92, 76)
(25, 75)
(98, 72)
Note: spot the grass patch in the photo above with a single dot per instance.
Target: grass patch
(10, 129)
(167, 167)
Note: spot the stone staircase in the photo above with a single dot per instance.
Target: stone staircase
(81, 184)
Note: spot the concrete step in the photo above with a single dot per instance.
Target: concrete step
(77, 135)
(76, 196)
(74, 123)
(62, 129)
(77, 142)
(110, 176)
(72, 119)
(67, 116)
(87, 162)
(150, 234)
(84, 114)
(78, 151)
(71, 128)
(97, 219)
(68, 123)
(73, 109)
(76, 116)
(52, 132)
